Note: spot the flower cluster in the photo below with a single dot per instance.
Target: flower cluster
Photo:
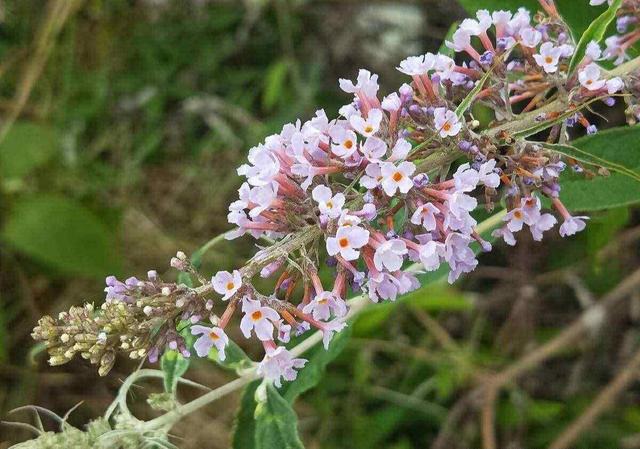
(370, 192)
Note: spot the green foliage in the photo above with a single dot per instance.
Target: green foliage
(62, 234)
(174, 365)
(616, 149)
(276, 423)
(26, 147)
(244, 426)
(236, 359)
(595, 32)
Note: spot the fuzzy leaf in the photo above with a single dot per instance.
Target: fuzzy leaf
(595, 32)
(612, 149)
(244, 426)
(276, 423)
(63, 234)
(174, 365)
(236, 359)
(25, 147)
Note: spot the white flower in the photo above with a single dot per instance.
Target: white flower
(264, 166)
(369, 126)
(391, 102)
(347, 241)
(258, 318)
(466, 178)
(461, 40)
(589, 77)
(329, 205)
(390, 255)
(593, 51)
(345, 142)
(530, 37)
(226, 284)
(425, 215)
(373, 149)
(400, 150)
(367, 83)
(373, 176)
(487, 174)
(501, 18)
(548, 57)
(430, 255)
(262, 197)
(446, 122)
(279, 363)
(397, 177)
(566, 50)
(614, 85)
(416, 65)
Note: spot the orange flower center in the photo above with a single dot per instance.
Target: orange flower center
(330, 204)
(343, 242)
(368, 129)
(348, 144)
(255, 316)
(213, 336)
(517, 214)
(397, 176)
(446, 126)
(548, 59)
(322, 301)
(230, 285)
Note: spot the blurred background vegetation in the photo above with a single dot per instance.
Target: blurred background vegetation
(123, 122)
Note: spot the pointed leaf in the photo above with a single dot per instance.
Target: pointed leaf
(174, 366)
(276, 423)
(595, 32)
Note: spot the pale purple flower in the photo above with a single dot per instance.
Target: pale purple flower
(446, 122)
(382, 285)
(396, 178)
(543, 223)
(347, 241)
(487, 174)
(227, 284)
(324, 305)
(264, 166)
(329, 205)
(593, 51)
(460, 204)
(465, 178)
(506, 235)
(572, 225)
(279, 364)
(425, 215)
(430, 254)
(330, 328)
(589, 77)
(258, 318)
(372, 177)
(416, 65)
(530, 37)
(390, 255)
(614, 85)
(209, 337)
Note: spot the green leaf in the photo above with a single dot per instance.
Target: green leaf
(595, 32)
(244, 426)
(25, 147)
(274, 82)
(235, 360)
(617, 147)
(276, 423)
(63, 234)
(319, 358)
(174, 366)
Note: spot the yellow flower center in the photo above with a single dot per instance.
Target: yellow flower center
(255, 316)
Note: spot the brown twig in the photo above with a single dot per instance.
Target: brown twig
(602, 402)
(593, 315)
